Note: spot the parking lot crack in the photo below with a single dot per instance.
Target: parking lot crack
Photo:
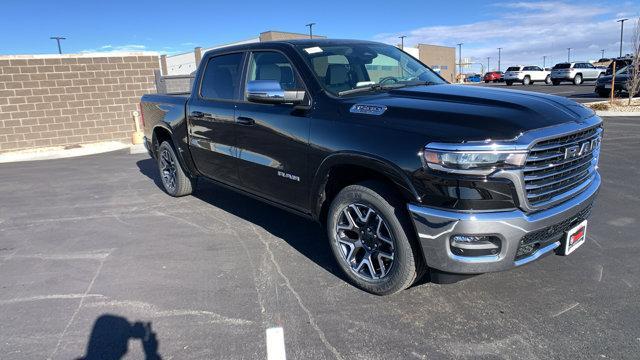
(287, 283)
(152, 311)
(77, 310)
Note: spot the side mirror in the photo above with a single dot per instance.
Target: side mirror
(270, 92)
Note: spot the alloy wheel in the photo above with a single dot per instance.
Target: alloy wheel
(365, 242)
(168, 170)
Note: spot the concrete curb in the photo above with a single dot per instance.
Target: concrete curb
(617, 113)
(59, 152)
(137, 149)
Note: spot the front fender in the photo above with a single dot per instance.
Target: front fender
(382, 166)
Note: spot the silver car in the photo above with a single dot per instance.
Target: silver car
(576, 72)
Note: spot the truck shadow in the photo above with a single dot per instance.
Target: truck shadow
(306, 236)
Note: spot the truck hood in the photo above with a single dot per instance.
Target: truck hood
(468, 113)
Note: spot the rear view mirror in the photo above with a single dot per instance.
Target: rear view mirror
(271, 92)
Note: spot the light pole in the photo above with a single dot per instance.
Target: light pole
(310, 25)
(544, 61)
(460, 59)
(621, 21)
(488, 59)
(402, 41)
(602, 51)
(499, 50)
(568, 54)
(58, 38)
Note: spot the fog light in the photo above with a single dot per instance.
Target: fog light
(475, 245)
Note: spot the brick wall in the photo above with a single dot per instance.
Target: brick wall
(71, 99)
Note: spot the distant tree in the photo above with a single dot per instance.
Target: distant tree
(633, 84)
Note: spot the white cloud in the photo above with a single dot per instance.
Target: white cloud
(117, 48)
(527, 31)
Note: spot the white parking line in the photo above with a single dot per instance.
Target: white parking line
(275, 344)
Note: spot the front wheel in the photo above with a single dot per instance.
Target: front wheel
(371, 238)
(174, 180)
(547, 80)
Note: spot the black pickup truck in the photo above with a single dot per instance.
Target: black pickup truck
(407, 172)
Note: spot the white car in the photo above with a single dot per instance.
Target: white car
(526, 75)
(575, 72)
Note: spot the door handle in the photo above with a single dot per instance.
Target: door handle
(242, 120)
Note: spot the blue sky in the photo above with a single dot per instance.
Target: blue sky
(526, 30)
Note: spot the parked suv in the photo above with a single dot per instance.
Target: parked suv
(406, 172)
(526, 75)
(622, 83)
(576, 72)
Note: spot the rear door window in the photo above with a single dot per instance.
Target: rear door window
(221, 79)
(514, 68)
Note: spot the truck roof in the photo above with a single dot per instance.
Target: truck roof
(291, 42)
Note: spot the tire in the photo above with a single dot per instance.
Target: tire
(174, 180)
(387, 230)
(577, 80)
(526, 81)
(603, 93)
(486, 81)
(547, 80)
(509, 83)
(555, 83)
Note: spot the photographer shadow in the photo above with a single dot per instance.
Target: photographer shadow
(109, 339)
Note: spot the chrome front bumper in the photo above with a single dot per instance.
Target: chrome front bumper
(435, 227)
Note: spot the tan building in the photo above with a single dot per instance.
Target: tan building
(283, 35)
(442, 59)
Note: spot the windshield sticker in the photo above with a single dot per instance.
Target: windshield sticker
(313, 50)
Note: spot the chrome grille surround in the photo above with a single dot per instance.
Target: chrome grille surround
(580, 170)
(547, 178)
(551, 172)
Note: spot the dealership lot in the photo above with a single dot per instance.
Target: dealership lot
(85, 237)
(581, 93)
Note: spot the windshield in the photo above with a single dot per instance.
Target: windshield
(624, 70)
(347, 68)
(562, 66)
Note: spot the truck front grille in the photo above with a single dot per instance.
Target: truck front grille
(543, 237)
(557, 167)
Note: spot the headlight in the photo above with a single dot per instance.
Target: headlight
(473, 162)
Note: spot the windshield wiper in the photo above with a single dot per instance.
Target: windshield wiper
(420, 83)
(372, 87)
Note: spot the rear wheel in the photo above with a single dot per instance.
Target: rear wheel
(372, 238)
(509, 83)
(526, 81)
(604, 93)
(555, 83)
(174, 180)
(577, 80)
(547, 80)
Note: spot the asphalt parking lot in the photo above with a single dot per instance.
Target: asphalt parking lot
(91, 245)
(582, 93)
